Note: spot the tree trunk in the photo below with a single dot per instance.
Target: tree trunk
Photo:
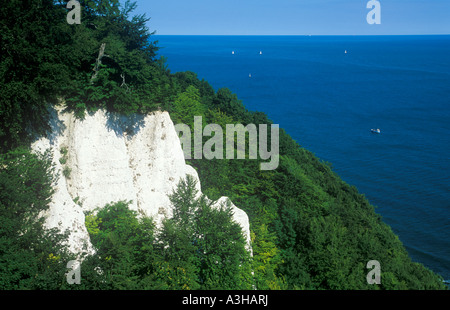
(101, 54)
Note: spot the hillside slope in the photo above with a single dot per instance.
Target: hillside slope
(308, 228)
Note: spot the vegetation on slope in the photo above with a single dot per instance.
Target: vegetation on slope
(310, 230)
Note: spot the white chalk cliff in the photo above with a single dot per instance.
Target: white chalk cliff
(112, 158)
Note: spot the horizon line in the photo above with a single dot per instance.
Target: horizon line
(304, 35)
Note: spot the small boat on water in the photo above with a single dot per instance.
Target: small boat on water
(375, 130)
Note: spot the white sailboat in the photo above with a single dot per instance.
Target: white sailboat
(375, 130)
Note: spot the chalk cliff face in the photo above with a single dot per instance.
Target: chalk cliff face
(107, 157)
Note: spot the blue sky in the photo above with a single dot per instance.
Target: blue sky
(294, 17)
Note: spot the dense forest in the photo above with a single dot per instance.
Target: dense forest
(309, 229)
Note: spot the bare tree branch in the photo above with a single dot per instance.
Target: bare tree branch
(123, 81)
(101, 54)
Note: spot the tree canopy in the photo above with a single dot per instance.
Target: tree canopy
(309, 229)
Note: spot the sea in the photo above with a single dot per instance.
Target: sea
(328, 92)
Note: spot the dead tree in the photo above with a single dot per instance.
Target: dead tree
(101, 54)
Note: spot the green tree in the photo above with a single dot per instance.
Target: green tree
(31, 256)
(222, 249)
(31, 67)
(186, 106)
(267, 259)
(203, 243)
(124, 244)
(177, 238)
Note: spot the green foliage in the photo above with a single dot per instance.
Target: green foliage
(229, 103)
(31, 257)
(67, 171)
(120, 78)
(267, 260)
(199, 247)
(45, 60)
(204, 242)
(186, 106)
(31, 67)
(309, 229)
(125, 255)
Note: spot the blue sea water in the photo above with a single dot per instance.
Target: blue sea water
(328, 100)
